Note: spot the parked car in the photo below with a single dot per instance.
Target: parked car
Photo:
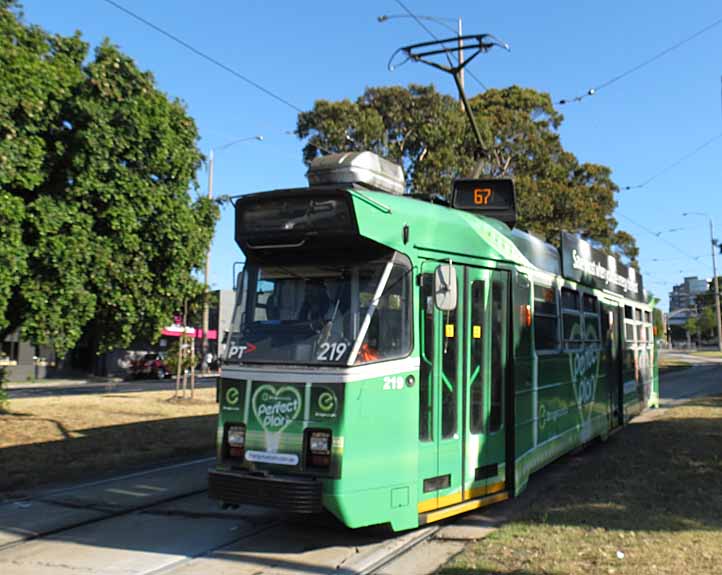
(151, 365)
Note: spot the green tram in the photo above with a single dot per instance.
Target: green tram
(393, 360)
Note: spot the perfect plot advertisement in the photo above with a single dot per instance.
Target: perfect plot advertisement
(276, 415)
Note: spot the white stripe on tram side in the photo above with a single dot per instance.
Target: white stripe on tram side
(285, 374)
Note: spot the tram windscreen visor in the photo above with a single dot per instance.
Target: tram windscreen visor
(322, 314)
(295, 215)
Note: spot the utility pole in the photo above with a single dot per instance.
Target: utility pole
(716, 285)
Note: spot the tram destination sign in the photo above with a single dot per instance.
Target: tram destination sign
(585, 264)
(493, 197)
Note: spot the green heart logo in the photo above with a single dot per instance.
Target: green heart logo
(584, 367)
(276, 408)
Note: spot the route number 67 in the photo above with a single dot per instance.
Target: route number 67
(393, 382)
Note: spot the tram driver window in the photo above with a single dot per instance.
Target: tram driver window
(389, 335)
(546, 332)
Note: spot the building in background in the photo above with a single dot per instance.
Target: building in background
(683, 305)
(24, 361)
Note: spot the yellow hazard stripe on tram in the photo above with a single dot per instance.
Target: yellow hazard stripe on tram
(454, 498)
(464, 507)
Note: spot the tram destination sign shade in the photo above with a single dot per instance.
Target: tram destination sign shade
(493, 197)
(587, 265)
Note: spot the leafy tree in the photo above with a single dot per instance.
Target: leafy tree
(428, 134)
(708, 321)
(98, 233)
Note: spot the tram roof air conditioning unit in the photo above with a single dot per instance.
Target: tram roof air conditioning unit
(363, 169)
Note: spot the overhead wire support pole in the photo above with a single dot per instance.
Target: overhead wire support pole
(423, 51)
(713, 245)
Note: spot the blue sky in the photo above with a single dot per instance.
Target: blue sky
(332, 50)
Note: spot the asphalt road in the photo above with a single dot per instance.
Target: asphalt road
(161, 521)
(50, 389)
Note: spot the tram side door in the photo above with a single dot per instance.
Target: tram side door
(611, 319)
(440, 397)
(486, 373)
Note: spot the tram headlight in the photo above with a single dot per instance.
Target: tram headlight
(320, 442)
(319, 448)
(236, 439)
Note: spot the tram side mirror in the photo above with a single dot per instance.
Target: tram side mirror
(445, 287)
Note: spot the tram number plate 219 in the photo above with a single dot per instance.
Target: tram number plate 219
(393, 382)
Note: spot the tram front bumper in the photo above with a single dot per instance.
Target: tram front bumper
(292, 494)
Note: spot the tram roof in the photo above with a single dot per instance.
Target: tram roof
(447, 230)
(452, 230)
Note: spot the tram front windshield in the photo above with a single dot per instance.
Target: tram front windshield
(322, 314)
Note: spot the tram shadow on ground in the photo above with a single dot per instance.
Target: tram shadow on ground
(657, 474)
(654, 490)
(93, 453)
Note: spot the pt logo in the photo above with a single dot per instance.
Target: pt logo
(232, 395)
(237, 351)
(276, 408)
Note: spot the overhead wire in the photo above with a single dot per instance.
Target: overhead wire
(663, 239)
(215, 62)
(203, 55)
(592, 91)
(674, 164)
(435, 37)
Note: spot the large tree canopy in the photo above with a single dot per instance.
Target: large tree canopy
(98, 231)
(428, 134)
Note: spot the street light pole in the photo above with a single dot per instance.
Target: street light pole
(206, 310)
(713, 245)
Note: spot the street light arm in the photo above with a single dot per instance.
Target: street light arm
(438, 19)
(234, 142)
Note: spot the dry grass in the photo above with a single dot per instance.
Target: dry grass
(51, 439)
(669, 364)
(649, 501)
(717, 354)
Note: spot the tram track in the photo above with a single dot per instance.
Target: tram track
(174, 507)
(359, 564)
(250, 540)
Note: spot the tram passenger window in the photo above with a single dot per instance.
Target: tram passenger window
(498, 355)
(426, 324)
(476, 423)
(591, 318)
(571, 318)
(546, 333)
(628, 332)
(448, 378)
